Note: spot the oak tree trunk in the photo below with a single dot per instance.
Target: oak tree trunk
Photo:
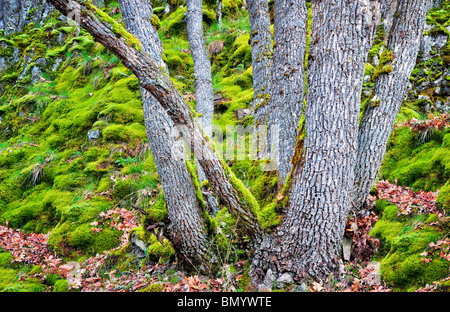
(261, 46)
(389, 92)
(309, 239)
(204, 96)
(187, 231)
(232, 193)
(288, 81)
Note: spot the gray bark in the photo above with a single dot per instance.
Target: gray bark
(204, 96)
(309, 239)
(286, 100)
(261, 44)
(389, 92)
(151, 77)
(219, 13)
(186, 231)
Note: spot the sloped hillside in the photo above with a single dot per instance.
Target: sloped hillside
(77, 175)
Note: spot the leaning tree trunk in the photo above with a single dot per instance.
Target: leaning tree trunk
(288, 81)
(389, 91)
(261, 45)
(233, 194)
(309, 239)
(187, 231)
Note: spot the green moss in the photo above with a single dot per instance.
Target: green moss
(156, 22)
(121, 133)
(75, 230)
(50, 279)
(384, 65)
(380, 205)
(158, 211)
(403, 266)
(118, 29)
(124, 188)
(155, 287)
(443, 198)
(61, 285)
(5, 259)
(390, 212)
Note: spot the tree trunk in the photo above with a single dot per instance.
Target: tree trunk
(286, 100)
(261, 44)
(219, 13)
(204, 96)
(389, 92)
(238, 199)
(309, 239)
(187, 231)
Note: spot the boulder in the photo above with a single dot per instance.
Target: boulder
(241, 113)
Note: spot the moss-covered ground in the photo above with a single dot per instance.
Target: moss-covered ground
(74, 152)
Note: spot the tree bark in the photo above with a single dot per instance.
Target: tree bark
(389, 92)
(219, 13)
(187, 231)
(261, 45)
(230, 190)
(309, 240)
(204, 96)
(286, 100)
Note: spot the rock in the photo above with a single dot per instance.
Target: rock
(269, 280)
(138, 247)
(436, 3)
(347, 248)
(241, 113)
(35, 74)
(56, 64)
(2, 64)
(41, 62)
(284, 280)
(423, 97)
(93, 134)
(431, 43)
(302, 288)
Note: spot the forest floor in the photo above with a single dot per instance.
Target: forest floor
(360, 273)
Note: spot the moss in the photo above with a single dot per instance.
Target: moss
(5, 259)
(50, 279)
(443, 198)
(74, 230)
(156, 22)
(155, 287)
(120, 31)
(158, 211)
(121, 133)
(124, 188)
(69, 181)
(380, 205)
(403, 266)
(161, 252)
(61, 285)
(384, 65)
(390, 212)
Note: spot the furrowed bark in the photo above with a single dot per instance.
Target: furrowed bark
(219, 13)
(152, 78)
(261, 45)
(309, 240)
(286, 100)
(389, 91)
(204, 96)
(187, 230)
